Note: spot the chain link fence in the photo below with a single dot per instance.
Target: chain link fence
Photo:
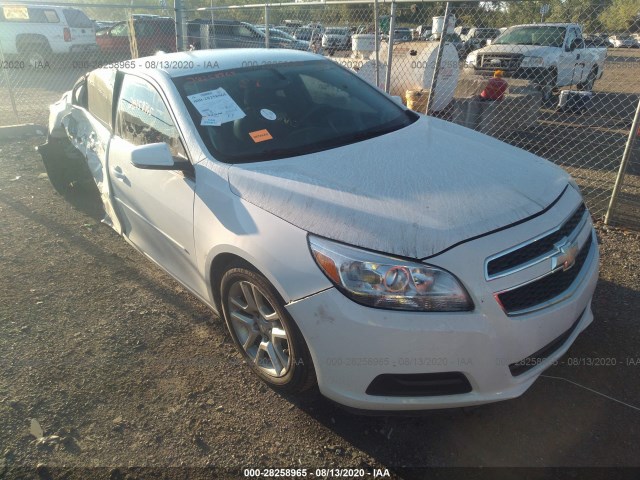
(558, 78)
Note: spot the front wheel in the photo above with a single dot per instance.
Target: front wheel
(263, 331)
(548, 85)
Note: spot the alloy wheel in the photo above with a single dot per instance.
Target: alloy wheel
(259, 328)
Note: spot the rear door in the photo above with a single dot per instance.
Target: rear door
(156, 206)
(89, 127)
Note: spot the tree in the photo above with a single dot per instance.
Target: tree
(622, 16)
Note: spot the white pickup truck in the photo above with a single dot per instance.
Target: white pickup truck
(551, 55)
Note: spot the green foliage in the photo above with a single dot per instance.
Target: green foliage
(621, 16)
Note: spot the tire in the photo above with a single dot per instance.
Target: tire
(35, 54)
(263, 331)
(548, 85)
(587, 85)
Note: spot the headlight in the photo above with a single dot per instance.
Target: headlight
(532, 62)
(384, 282)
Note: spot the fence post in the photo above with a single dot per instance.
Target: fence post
(434, 79)
(376, 32)
(266, 26)
(392, 24)
(623, 166)
(180, 21)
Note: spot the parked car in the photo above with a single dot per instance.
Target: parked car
(623, 41)
(452, 38)
(225, 33)
(336, 38)
(452, 272)
(402, 35)
(308, 34)
(551, 55)
(424, 31)
(478, 37)
(152, 33)
(37, 32)
(462, 31)
(103, 24)
(284, 40)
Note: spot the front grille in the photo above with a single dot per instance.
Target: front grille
(545, 288)
(534, 249)
(419, 384)
(508, 61)
(535, 359)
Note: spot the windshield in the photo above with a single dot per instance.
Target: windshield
(284, 110)
(534, 35)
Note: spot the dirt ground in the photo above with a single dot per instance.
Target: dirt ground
(129, 376)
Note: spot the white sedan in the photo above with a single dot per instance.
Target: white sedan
(398, 261)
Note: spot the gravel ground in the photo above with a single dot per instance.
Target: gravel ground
(128, 376)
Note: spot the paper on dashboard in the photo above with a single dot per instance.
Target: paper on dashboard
(216, 107)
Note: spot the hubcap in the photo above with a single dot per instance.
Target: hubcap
(259, 329)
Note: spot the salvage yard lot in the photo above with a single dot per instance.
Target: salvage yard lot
(126, 369)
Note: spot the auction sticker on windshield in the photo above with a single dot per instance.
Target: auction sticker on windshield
(260, 136)
(216, 107)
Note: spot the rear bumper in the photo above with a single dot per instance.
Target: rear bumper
(89, 47)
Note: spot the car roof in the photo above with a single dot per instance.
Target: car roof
(173, 64)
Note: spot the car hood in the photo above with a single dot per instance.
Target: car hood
(526, 50)
(414, 192)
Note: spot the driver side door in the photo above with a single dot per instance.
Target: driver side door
(156, 206)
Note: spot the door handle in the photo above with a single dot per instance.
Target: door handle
(119, 174)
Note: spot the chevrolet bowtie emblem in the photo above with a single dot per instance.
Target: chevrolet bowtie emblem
(566, 257)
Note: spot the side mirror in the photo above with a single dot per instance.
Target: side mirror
(575, 43)
(157, 156)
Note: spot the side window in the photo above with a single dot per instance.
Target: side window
(77, 19)
(143, 118)
(12, 13)
(100, 94)
(40, 15)
(571, 36)
(246, 32)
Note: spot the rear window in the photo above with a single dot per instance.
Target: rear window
(77, 19)
(287, 109)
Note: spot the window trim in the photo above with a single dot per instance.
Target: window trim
(117, 92)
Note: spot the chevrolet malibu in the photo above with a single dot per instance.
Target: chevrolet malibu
(398, 261)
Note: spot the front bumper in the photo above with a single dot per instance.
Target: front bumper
(351, 344)
(533, 74)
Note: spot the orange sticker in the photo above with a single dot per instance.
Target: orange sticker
(260, 136)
